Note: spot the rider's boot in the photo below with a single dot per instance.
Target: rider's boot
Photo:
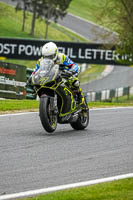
(81, 100)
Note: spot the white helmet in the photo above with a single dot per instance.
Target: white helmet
(50, 50)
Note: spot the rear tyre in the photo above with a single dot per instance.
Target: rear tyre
(48, 119)
(82, 121)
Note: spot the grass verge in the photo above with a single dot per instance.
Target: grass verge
(124, 101)
(27, 63)
(18, 105)
(92, 73)
(11, 22)
(93, 11)
(116, 190)
(33, 105)
(108, 104)
(89, 11)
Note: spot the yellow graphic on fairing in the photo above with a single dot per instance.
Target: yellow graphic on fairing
(43, 80)
(66, 92)
(73, 105)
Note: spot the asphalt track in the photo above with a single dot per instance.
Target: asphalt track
(89, 30)
(30, 159)
(121, 76)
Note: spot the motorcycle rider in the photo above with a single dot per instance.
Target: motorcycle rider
(50, 50)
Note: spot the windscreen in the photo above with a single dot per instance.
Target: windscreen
(47, 71)
(45, 65)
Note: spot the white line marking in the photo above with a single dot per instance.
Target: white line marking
(63, 187)
(16, 114)
(112, 108)
(91, 109)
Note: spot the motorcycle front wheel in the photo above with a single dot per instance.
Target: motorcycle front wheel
(48, 119)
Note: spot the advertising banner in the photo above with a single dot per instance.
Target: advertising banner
(28, 49)
(12, 81)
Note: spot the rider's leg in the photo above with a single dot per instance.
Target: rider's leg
(81, 96)
(76, 85)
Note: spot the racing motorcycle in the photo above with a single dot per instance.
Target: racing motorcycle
(58, 101)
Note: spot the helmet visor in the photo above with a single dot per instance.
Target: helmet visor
(51, 57)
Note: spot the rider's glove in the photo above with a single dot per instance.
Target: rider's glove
(59, 77)
(66, 74)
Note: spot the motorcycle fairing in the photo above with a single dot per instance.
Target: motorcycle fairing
(68, 105)
(43, 76)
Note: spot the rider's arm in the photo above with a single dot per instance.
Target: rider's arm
(74, 68)
(68, 64)
(36, 68)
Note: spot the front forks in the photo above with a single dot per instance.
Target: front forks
(53, 105)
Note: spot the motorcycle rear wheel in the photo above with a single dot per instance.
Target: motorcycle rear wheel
(49, 121)
(82, 122)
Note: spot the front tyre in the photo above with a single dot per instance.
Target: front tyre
(82, 121)
(47, 117)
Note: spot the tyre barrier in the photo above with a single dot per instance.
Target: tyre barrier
(108, 94)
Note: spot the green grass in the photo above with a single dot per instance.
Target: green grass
(116, 190)
(10, 26)
(11, 22)
(124, 99)
(17, 105)
(27, 63)
(31, 105)
(116, 102)
(108, 104)
(93, 10)
(89, 9)
(91, 73)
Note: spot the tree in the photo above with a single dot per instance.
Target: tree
(23, 5)
(35, 7)
(120, 16)
(52, 10)
(126, 26)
